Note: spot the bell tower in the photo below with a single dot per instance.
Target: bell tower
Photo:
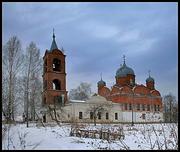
(54, 76)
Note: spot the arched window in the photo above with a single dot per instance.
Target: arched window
(91, 115)
(56, 64)
(56, 84)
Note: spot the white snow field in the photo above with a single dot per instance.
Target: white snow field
(54, 137)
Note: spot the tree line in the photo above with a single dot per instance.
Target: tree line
(21, 79)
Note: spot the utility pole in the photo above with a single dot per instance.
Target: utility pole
(132, 111)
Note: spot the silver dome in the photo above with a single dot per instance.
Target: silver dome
(150, 79)
(101, 82)
(124, 70)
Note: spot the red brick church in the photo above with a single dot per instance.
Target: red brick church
(132, 97)
(127, 92)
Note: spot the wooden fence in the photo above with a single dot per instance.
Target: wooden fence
(98, 134)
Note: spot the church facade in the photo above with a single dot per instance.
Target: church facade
(137, 98)
(126, 101)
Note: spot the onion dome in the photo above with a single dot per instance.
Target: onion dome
(149, 79)
(101, 82)
(124, 70)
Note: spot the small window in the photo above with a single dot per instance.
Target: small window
(91, 115)
(116, 116)
(125, 106)
(130, 106)
(107, 115)
(80, 115)
(99, 115)
(143, 107)
(148, 107)
(155, 108)
(143, 116)
(158, 108)
(138, 106)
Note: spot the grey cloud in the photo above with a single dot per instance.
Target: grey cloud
(96, 35)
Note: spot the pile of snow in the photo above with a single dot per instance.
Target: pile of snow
(53, 137)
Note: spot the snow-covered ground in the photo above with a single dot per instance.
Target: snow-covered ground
(140, 136)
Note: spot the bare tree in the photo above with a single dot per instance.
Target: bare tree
(97, 110)
(12, 63)
(33, 66)
(82, 92)
(170, 108)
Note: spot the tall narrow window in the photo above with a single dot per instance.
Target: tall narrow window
(107, 115)
(138, 106)
(91, 115)
(99, 115)
(116, 116)
(56, 65)
(80, 115)
(130, 106)
(158, 108)
(148, 107)
(154, 107)
(143, 107)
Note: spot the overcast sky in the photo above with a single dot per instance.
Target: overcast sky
(95, 36)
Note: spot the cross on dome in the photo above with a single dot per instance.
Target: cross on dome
(124, 58)
(149, 72)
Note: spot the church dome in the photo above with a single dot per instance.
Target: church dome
(101, 82)
(150, 79)
(124, 70)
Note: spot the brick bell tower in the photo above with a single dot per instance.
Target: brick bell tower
(54, 76)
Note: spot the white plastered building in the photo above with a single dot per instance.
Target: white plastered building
(110, 112)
